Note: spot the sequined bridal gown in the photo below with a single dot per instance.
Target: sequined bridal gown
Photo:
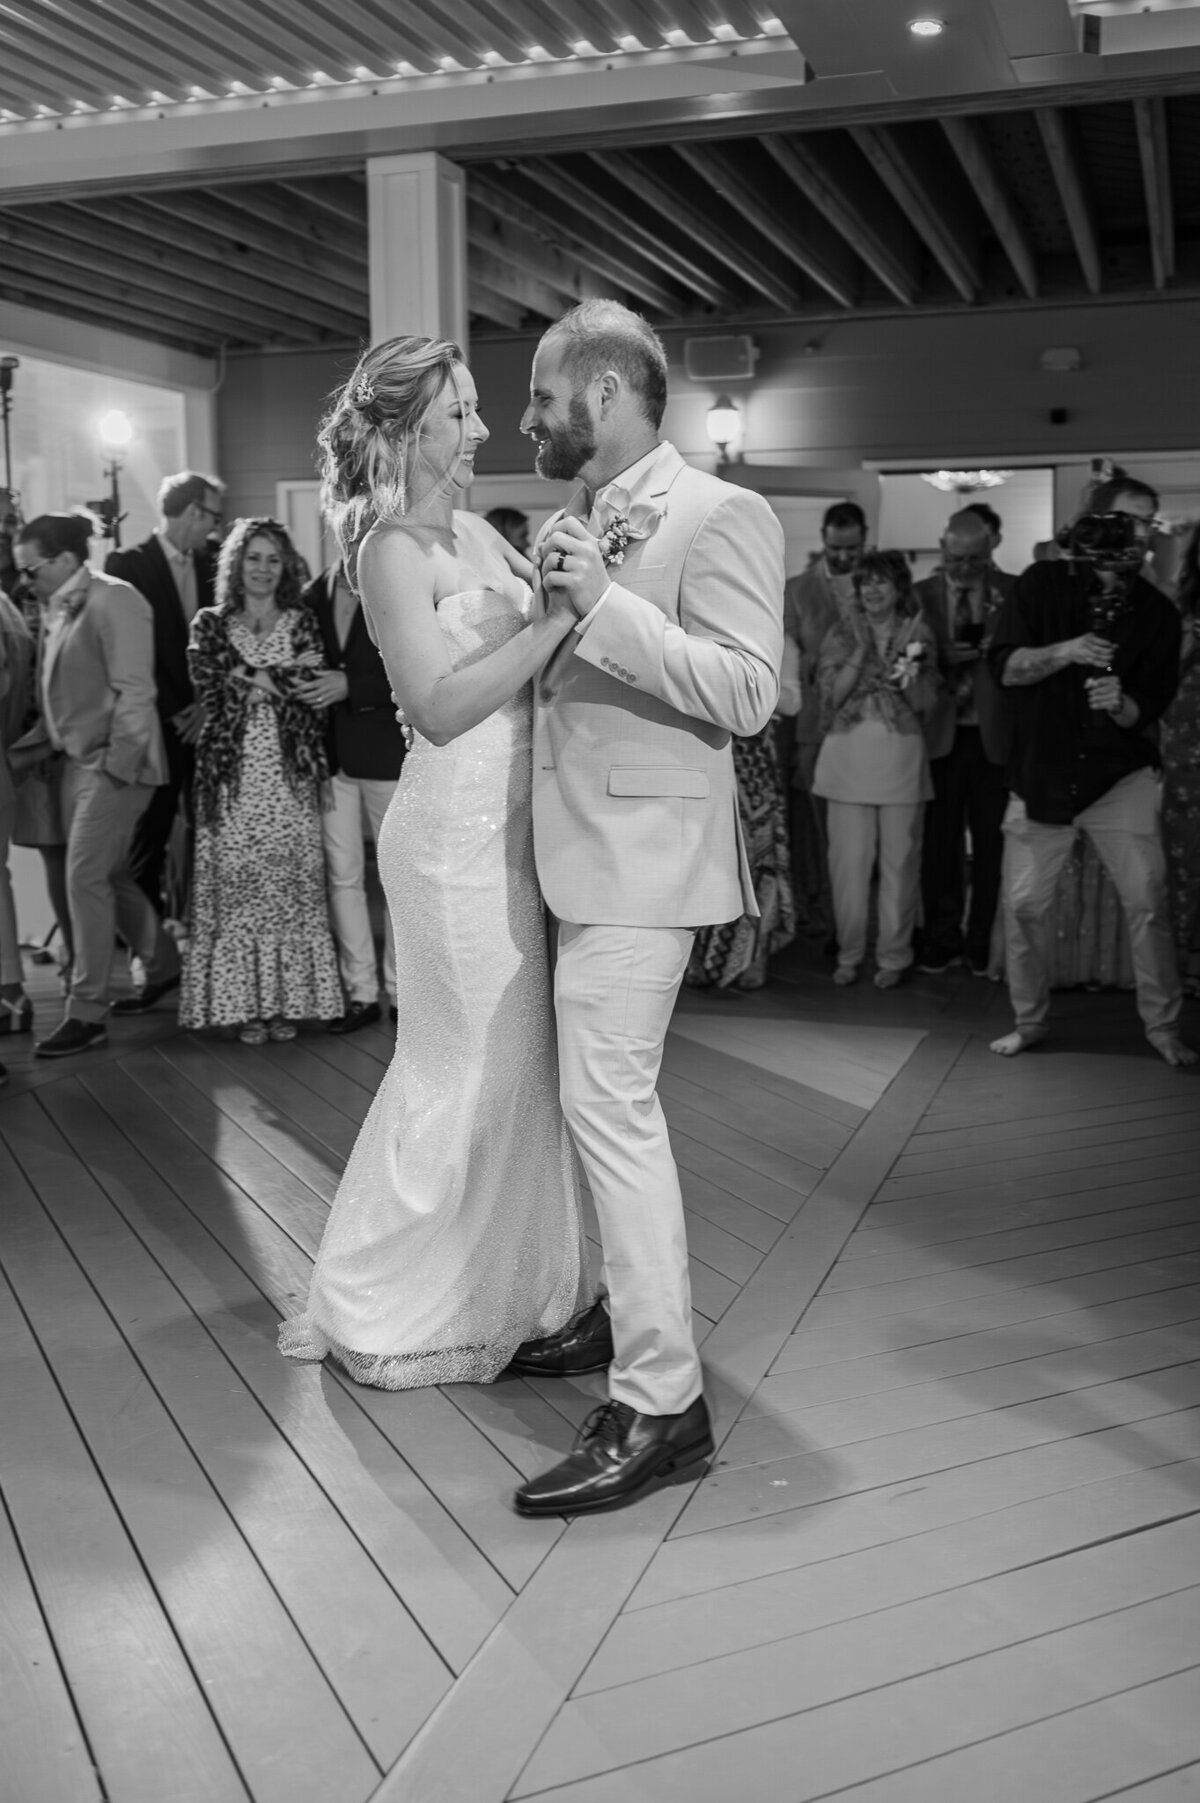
(455, 1233)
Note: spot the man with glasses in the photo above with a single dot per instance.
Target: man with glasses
(1089, 652)
(174, 570)
(967, 751)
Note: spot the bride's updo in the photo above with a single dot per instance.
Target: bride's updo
(372, 465)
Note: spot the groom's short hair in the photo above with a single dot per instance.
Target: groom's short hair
(602, 334)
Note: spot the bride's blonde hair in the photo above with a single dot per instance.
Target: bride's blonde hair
(372, 462)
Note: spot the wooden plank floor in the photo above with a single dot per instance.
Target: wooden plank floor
(950, 1314)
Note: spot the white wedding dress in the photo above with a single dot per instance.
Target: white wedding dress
(456, 1230)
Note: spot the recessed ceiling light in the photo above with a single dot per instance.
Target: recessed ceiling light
(926, 28)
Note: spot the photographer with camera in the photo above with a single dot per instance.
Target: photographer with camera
(1088, 653)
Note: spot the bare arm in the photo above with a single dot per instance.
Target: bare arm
(1033, 663)
(398, 580)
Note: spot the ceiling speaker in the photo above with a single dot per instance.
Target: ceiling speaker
(720, 359)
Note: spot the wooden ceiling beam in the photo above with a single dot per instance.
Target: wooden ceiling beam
(486, 305)
(65, 270)
(808, 241)
(917, 185)
(661, 197)
(203, 217)
(157, 242)
(839, 189)
(71, 304)
(586, 23)
(247, 44)
(1067, 170)
(267, 205)
(971, 148)
(339, 196)
(596, 249)
(524, 290)
(544, 262)
(1150, 117)
(127, 278)
(692, 274)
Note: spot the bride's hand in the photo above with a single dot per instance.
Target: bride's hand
(553, 601)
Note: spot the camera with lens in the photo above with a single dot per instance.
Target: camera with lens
(1110, 540)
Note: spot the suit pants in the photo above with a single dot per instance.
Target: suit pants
(345, 867)
(148, 853)
(1123, 827)
(101, 816)
(969, 793)
(615, 989)
(858, 833)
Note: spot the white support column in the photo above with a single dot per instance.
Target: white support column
(417, 221)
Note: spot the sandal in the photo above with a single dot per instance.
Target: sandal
(280, 1030)
(254, 1033)
(16, 1017)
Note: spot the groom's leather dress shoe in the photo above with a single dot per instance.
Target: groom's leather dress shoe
(618, 1456)
(584, 1344)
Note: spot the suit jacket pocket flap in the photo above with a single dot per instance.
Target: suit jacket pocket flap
(637, 781)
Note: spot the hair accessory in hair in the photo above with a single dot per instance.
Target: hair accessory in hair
(363, 392)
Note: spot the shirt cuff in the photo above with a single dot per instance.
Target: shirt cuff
(582, 625)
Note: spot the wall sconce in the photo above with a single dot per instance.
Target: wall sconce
(724, 423)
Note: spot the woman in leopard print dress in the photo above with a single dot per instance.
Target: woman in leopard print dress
(260, 954)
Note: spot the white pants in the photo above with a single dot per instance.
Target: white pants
(858, 831)
(345, 865)
(614, 990)
(1123, 826)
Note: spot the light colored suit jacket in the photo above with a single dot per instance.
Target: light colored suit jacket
(100, 686)
(635, 810)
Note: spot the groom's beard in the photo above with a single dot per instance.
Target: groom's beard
(566, 449)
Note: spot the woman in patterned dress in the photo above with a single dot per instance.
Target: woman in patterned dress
(260, 955)
(1180, 745)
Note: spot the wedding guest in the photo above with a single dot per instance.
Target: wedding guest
(878, 684)
(736, 955)
(365, 747)
(96, 683)
(16, 656)
(173, 569)
(512, 525)
(1094, 650)
(1180, 747)
(260, 955)
(812, 601)
(966, 736)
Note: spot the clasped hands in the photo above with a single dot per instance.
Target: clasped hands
(570, 567)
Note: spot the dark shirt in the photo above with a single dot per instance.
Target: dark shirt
(1066, 755)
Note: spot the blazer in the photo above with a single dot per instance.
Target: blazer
(991, 704)
(810, 608)
(145, 568)
(100, 686)
(364, 737)
(635, 808)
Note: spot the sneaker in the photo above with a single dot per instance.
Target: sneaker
(71, 1036)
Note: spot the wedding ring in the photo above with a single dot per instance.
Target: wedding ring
(562, 561)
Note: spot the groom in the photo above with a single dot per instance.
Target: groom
(677, 581)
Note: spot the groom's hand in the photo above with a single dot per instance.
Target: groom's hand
(572, 565)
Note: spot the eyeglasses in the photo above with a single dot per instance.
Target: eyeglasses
(212, 513)
(31, 569)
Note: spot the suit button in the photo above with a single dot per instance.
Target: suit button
(605, 663)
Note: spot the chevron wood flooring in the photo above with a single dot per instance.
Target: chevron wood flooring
(950, 1545)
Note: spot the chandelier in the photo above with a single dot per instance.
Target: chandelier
(964, 482)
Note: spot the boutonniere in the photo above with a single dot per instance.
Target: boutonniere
(624, 529)
(908, 666)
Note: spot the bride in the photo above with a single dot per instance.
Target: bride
(455, 1233)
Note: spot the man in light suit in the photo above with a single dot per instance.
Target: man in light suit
(96, 687)
(174, 569)
(677, 646)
